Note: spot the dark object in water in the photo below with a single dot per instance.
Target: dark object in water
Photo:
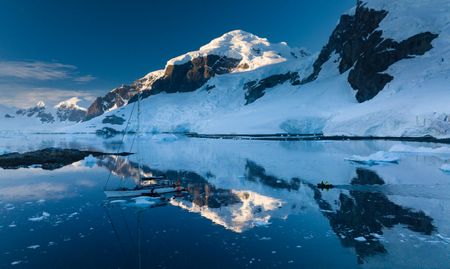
(48, 159)
(325, 185)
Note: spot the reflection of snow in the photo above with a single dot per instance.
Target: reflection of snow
(33, 191)
(90, 161)
(253, 210)
(426, 150)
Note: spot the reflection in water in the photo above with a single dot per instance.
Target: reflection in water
(363, 215)
(358, 221)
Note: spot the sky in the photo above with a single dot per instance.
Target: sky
(54, 50)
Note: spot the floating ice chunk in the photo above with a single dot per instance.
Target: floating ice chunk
(144, 201)
(426, 150)
(40, 218)
(16, 262)
(164, 137)
(360, 239)
(117, 201)
(34, 246)
(265, 238)
(72, 215)
(446, 168)
(41, 201)
(376, 158)
(90, 161)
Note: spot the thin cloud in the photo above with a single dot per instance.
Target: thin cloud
(24, 96)
(38, 70)
(84, 79)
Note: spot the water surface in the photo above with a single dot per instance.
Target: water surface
(250, 204)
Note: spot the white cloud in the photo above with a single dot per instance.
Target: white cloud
(38, 70)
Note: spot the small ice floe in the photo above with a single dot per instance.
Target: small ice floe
(34, 247)
(40, 201)
(72, 215)
(260, 223)
(12, 225)
(144, 201)
(89, 161)
(40, 217)
(9, 207)
(376, 158)
(424, 150)
(265, 238)
(446, 168)
(360, 239)
(117, 201)
(16, 262)
(51, 243)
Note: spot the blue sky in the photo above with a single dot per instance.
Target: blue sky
(53, 50)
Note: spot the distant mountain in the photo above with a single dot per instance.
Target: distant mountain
(383, 72)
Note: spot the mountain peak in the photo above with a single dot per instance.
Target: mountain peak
(251, 50)
(40, 104)
(71, 103)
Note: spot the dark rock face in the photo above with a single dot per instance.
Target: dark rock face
(363, 50)
(70, 114)
(39, 112)
(190, 76)
(255, 89)
(49, 159)
(113, 119)
(117, 97)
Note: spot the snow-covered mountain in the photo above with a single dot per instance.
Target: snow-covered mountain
(384, 71)
(40, 117)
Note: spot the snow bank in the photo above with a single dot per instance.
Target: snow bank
(425, 150)
(376, 158)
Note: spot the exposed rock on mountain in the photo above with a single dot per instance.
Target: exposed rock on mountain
(114, 99)
(362, 48)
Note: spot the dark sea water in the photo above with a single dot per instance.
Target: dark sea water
(249, 204)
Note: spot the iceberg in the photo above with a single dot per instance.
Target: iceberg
(376, 158)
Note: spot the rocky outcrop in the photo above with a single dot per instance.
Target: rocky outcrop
(191, 75)
(366, 53)
(37, 111)
(113, 119)
(255, 89)
(49, 159)
(70, 114)
(115, 98)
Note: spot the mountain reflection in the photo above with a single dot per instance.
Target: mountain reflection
(356, 217)
(363, 215)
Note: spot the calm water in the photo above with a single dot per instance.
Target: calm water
(250, 204)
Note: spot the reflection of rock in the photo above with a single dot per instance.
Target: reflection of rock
(256, 173)
(49, 159)
(364, 215)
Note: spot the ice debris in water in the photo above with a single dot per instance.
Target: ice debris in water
(90, 161)
(360, 239)
(446, 167)
(33, 246)
(117, 201)
(16, 262)
(376, 158)
(40, 218)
